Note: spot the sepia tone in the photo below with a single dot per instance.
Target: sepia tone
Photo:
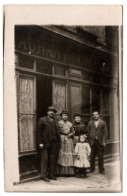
(74, 68)
(70, 67)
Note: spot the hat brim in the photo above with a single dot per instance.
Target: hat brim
(55, 111)
(64, 113)
(77, 116)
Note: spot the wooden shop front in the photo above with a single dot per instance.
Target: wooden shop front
(53, 69)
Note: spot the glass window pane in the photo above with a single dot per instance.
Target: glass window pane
(59, 96)
(76, 73)
(26, 62)
(76, 101)
(43, 67)
(26, 114)
(60, 70)
(27, 135)
(26, 94)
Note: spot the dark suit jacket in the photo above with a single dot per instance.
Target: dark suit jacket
(45, 132)
(100, 132)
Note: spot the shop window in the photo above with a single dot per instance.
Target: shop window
(26, 114)
(25, 62)
(60, 70)
(43, 67)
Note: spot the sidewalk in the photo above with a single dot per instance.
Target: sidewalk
(110, 182)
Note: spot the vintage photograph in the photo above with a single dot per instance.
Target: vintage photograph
(67, 84)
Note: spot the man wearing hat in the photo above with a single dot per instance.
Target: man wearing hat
(49, 143)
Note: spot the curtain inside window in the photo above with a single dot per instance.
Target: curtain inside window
(26, 113)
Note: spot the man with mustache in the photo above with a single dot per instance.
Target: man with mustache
(49, 143)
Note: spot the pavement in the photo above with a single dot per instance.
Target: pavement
(96, 182)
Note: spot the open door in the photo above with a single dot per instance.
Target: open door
(44, 96)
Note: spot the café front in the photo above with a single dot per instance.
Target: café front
(69, 69)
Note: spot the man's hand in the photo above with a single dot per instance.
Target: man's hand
(78, 157)
(41, 145)
(68, 136)
(88, 156)
(104, 144)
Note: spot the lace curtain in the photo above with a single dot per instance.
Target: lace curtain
(26, 113)
(59, 96)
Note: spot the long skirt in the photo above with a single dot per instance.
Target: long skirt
(66, 156)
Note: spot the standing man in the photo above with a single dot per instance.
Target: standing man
(49, 143)
(97, 131)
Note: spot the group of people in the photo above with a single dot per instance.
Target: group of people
(68, 149)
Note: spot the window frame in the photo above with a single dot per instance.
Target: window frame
(32, 151)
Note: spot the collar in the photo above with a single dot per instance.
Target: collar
(48, 119)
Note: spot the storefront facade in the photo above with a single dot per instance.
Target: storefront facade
(70, 68)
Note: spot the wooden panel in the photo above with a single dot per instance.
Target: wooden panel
(75, 98)
(74, 72)
(86, 100)
(106, 103)
(107, 120)
(59, 96)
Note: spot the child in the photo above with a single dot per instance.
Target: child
(82, 151)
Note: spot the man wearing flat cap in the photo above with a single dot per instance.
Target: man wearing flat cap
(49, 143)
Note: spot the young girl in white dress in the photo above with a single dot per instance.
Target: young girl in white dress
(82, 153)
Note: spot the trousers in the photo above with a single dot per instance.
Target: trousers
(49, 157)
(98, 150)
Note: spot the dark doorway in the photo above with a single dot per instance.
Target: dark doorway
(44, 96)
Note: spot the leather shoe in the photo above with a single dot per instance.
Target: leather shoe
(102, 172)
(45, 179)
(53, 178)
(91, 171)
